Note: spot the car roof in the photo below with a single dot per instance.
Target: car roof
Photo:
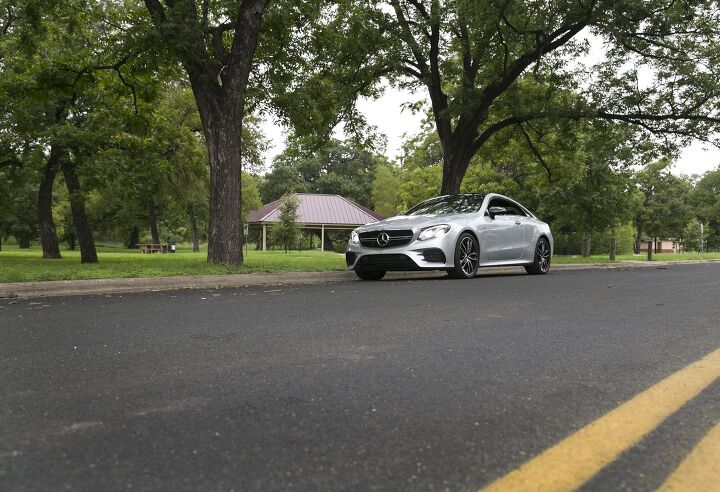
(484, 196)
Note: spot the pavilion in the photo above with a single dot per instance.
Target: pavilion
(317, 212)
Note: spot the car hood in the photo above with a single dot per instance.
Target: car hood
(411, 222)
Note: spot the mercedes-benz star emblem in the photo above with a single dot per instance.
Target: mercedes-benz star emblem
(383, 239)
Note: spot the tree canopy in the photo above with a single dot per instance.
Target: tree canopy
(489, 67)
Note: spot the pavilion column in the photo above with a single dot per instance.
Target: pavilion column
(322, 237)
(264, 237)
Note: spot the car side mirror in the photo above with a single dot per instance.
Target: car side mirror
(493, 211)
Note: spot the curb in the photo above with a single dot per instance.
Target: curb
(57, 288)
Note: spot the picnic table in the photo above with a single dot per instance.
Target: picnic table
(153, 248)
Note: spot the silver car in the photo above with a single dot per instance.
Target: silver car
(456, 233)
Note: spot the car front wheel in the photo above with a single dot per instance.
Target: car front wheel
(467, 257)
(541, 263)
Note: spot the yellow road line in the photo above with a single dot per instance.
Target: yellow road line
(700, 470)
(573, 461)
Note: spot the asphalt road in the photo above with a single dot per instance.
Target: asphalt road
(428, 384)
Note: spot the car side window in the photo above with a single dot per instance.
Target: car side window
(511, 208)
(514, 210)
(495, 202)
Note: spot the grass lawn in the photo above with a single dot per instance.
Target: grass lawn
(642, 257)
(23, 265)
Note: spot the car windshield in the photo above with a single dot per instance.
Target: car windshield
(453, 204)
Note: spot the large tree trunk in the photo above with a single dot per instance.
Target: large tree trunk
(638, 236)
(70, 239)
(223, 128)
(456, 160)
(134, 238)
(193, 229)
(586, 246)
(586, 243)
(452, 179)
(219, 79)
(48, 232)
(152, 216)
(77, 206)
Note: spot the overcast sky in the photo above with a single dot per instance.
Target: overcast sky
(398, 124)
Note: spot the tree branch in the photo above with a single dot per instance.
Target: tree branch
(635, 117)
(409, 39)
(243, 46)
(420, 8)
(468, 124)
(157, 12)
(437, 95)
(496, 127)
(204, 13)
(536, 152)
(9, 20)
(116, 68)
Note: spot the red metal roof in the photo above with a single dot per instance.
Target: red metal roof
(319, 209)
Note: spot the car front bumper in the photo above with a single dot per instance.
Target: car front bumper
(433, 254)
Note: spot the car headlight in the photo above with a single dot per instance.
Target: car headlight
(433, 232)
(354, 238)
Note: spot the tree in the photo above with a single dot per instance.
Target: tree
(385, 187)
(705, 200)
(153, 172)
(665, 208)
(600, 197)
(250, 195)
(149, 173)
(216, 49)
(691, 236)
(488, 67)
(284, 232)
(18, 201)
(64, 86)
(419, 184)
(336, 168)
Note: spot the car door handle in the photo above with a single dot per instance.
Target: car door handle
(517, 222)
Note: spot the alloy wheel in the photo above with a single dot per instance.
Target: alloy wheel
(468, 256)
(543, 256)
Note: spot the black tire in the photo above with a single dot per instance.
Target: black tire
(467, 257)
(541, 263)
(370, 275)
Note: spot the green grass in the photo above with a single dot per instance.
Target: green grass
(18, 265)
(642, 257)
(23, 265)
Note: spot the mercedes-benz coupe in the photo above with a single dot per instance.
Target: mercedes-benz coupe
(456, 233)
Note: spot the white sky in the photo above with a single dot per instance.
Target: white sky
(398, 124)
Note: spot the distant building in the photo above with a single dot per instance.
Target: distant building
(660, 245)
(316, 212)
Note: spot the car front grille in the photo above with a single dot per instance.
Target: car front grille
(395, 238)
(374, 262)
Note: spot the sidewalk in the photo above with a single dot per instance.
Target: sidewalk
(155, 284)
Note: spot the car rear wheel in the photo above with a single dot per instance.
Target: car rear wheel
(541, 263)
(467, 257)
(370, 275)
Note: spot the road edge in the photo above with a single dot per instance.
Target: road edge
(155, 284)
